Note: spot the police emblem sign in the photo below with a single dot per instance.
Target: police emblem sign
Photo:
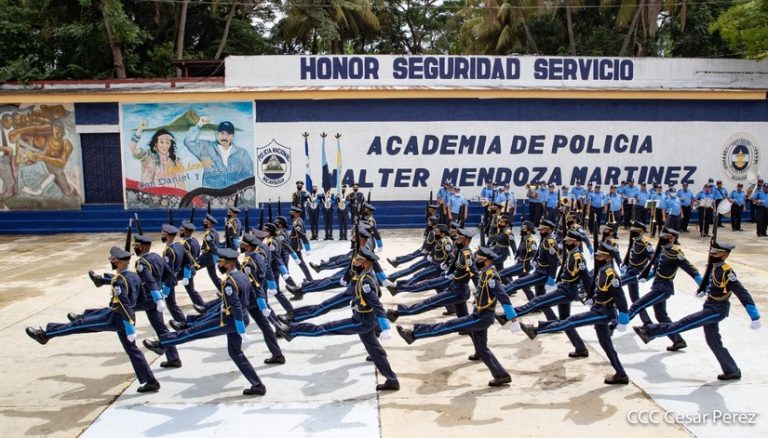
(274, 164)
(740, 154)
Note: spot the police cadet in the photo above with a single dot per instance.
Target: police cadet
(234, 228)
(461, 271)
(191, 252)
(524, 255)
(672, 210)
(328, 200)
(275, 246)
(760, 203)
(155, 275)
(232, 320)
(641, 213)
(721, 284)
(173, 254)
(545, 264)
(504, 244)
(299, 197)
(493, 229)
(209, 251)
(256, 268)
(297, 239)
(313, 209)
(367, 315)
(639, 255)
(574, 271)
(738, 198)
(342, 210)
(117, 317)
(355, 200)
(686, 200)
(595, 202)
(604, 300)
(369, 220)
(440, 254)
(488, 292)
(670, 257)
(423, 251)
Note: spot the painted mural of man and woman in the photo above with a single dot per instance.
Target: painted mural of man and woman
(39, 159)
(200, 166)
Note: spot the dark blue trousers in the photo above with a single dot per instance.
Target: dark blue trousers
(173, 306)
(535, 278)
(337, 301)
(158, 324)
(657, 297)
(214, 276)
(437, 283)
(285, 303)
(630, 280)
(105, 320)
(193, 294)
(456, 295)
(266, 330)
(709, 318)
(216, 327)
(336, 262)
(431, 271)
(361, 324)
(326, 283)
(562, 298)
(477, 324)
(410, 256)
(421, 264)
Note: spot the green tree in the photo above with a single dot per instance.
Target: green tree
(745, 28)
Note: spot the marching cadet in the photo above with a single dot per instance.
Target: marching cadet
(686, 200)
(342, 210)
(117, 317)
(191, 252)
(458, 276)
(523, 257)
(369, 220)
(367, 315)
(639, 255)
(722, 284)
(666, 262)
(488, 292)
(299, 197)
(234, 228)
(606, 298)
(440, 255)
(738, 198)
(298, 240)
(236, 291)
(313, 207)
(274, 244)
(173, 254)
(574, 271)
(493, 229)
(545, 264)
(423, 251)
(209, 251)
(504, 244)
(328, 200)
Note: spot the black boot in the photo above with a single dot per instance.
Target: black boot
(406, 334)
(617, 380)
(275, 360)
(729, 376)
(642, 332)
(392, 315)
(37, 334)
(679, 345)
(529, 330)
(171, 364)
(151, 386)
(154, 346)
(259, 389)
(176, 325)
(578, 353)
(500, 381)
(389, 385)
(74, 316)
(392, 262)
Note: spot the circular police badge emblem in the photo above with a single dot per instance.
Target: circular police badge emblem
(740, 155)
(273, 163)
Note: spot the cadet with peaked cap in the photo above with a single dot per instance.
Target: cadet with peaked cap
(670, 259)
(423, 251)
(441, 254)
(545, 264)
(275, 243)
(368, 219)
(367, 316)
(574, 271)
(232, 321)
(604, 301)
(297, 239)
(504, 244)
(173, 254)
(722, 283)
(488, 292)
(523, 257)
(119, 316)
(209, 251)
(454, 284)
(191, 252)
(639, 255)
(234, 228)
(342, 212)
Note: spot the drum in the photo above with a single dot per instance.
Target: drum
(707, 203)
(724, 208)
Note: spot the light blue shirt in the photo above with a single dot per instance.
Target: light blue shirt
(672, 206)
(488, 193)
(631, 191)
(216, 175)
(642, 197)
(552, 199)
(614, 202)
(738, 197)
(597, 200)
(685, 196)
(578, 192)
(455, 202)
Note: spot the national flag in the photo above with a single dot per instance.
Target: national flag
(327, 184)
(338, 163)
(308, 173)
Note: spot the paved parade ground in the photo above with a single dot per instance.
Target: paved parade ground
(84, 384)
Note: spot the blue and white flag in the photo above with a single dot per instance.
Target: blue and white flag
(308, 172)
(327, 183)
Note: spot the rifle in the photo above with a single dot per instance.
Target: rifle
(270, 211)
(460, 220)
(369, 197)
(261, 216)
(279, 208)
(426, 209)
(192, 216)
(247, 221)
(128, 235)
(138, 224)
(482, 230)
(590, 292)
(625, 262)
(649, 266)
(170, 217)
(209, 207)
(565, 250)
(708, 271)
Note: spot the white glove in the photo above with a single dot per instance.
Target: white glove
(550, 288)
(185, 281)
(266, 312)
(272, 292)
(756, 324)
(621, 327)
(343, 282)
(307, 253)
(515, 327)
(443, 266)
(589, 302)
(245, 337)
(701, 294)
(450, 277)
(160, 306)
(285, 276)
(429, 259)
(131, 338)
(385, 335)
(387, 283)
(642, 280)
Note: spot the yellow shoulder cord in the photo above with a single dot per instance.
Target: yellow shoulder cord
(484, 289)
(227, 308)
(358, 290)
(116, 300)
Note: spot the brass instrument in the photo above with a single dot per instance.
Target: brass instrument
(327, 200)
(342, 200)
(565, 202)
(532, 192)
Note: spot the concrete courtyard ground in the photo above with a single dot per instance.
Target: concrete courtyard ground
(84, 385)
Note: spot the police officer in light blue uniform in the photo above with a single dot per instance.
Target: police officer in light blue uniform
(614, 208)
(596, 201)
(367, 315)
(232, 320)
(455, 202)
(536, 204)
(672, 210)
(686, 200)
(759, 200)
(118, 317)
(657, 220)
(552, 202)
(720, 194)
(489, 291)
(738, 198)
(722, 283)
(706, 203)
(641, 213)
(229, 164)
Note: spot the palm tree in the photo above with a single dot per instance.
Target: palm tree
(643, 15)
(491, 25)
